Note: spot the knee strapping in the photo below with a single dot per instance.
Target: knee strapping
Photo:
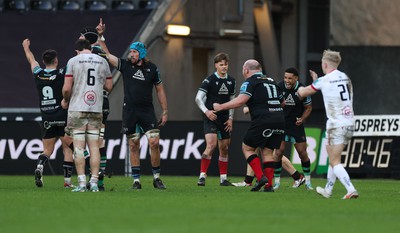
(134, 136)
(102, 131)
(92, 134)
(79, 153)
(78, 135)
(153, 133)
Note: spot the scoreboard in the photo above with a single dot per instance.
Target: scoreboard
(373, 150)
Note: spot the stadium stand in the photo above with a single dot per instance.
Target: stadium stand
(43, 5)
(148, 4)
(96, 5)
(69, 5)
(15, 5)
(123, 5)
(74, 5)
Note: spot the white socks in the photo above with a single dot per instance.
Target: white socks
(338, 172)
(222, 177)
(308, 179)
(203, 175)
(82, 180)
(331, 179)
(344, 178)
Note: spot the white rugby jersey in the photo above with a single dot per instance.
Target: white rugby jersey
(337, 92)
(89, 72)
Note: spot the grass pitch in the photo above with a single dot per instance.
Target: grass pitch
(186, 208)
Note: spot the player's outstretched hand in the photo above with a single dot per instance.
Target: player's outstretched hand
(313, 75)
(101, 28)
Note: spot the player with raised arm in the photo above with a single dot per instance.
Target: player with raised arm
(140, 76)
(49, 83)
(337, 92)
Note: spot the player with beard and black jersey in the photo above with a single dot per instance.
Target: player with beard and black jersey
(216, 88)
(265, 100)
(90, 34)
(140, 76)
(297, 110)
(49, 83)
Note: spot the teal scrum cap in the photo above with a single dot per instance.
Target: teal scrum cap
(141, 48)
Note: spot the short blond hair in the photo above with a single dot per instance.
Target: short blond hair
(332, 57)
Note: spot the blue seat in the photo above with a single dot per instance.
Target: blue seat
(69, 5)
(95, 6)
(148, 4)
(123, 5)
(18, 5)
(43, 5)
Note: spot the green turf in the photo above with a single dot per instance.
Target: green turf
(186, 208)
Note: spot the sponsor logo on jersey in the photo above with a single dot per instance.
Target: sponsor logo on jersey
(49, 124)
(274, 102)
(138, 75)
(223, 90)
(244, 86)
(48, 102)
(289, 100)
(268, 132)
(275, 109)
(51, 78)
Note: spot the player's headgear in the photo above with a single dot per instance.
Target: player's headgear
(141, 48)
(90, 34)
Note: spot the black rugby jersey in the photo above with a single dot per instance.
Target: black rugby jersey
(218, 90)
(49, 84)
(265, 98)
(139, 82)
(294, 106)
(99, 51)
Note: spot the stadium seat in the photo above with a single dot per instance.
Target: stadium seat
(69, 5)
(17, 5)
(95, 6)
(122, 5)
(43, 5)
(148, 4)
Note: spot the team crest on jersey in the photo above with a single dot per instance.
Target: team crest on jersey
(229, 82)
(138, 75)
(347, 112)
(223, 90)
(90, 98)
